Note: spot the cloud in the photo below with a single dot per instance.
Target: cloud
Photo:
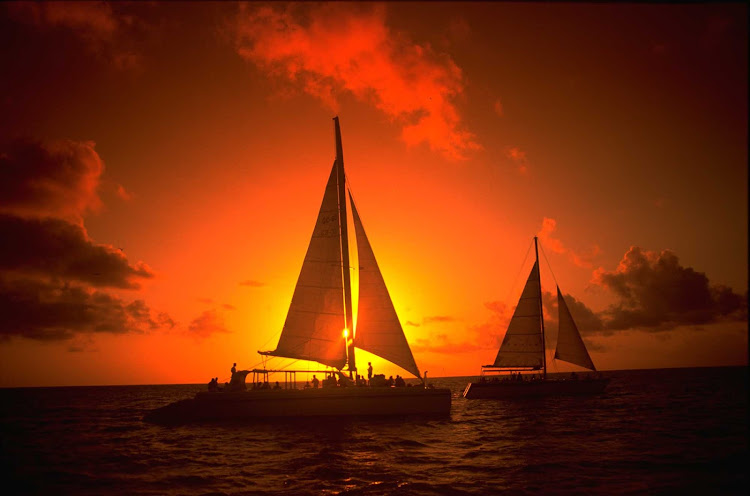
(58, 249)
(439, 343)
(206, 324)
(588, 322)
(252, 284)
(97, 24)
(53, 276)
(123, 194)
(94, 21)
(516, 155)
(334, 49)
(438, 318)
(579, 258)
(58, 178)
(498, 108)
(51, 311)
(657, 293)
(413, 324)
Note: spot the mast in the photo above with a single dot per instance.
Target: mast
(541, 308)
(348, 317)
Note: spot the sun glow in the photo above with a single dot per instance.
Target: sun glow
(346, 333)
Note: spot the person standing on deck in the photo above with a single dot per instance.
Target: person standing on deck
(369, 372)
(234, 369)
(315, 382)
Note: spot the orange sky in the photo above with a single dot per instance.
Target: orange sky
(162, 165)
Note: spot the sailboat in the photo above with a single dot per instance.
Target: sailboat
(523, 351)
(320, 328)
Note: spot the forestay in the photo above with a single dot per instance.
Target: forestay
(378, 329)
(522, 345)
(315, 322)
(570, 347)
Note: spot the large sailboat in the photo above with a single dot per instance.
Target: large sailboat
(520, 368)
(320, 328)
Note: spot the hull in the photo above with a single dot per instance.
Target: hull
(292, 403)
(525, 389)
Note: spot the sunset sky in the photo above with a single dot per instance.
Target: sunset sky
(162, 166)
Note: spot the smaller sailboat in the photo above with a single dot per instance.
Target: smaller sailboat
(522, 352)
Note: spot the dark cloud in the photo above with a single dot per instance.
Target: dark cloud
(587, 321)
(206, 324)
(52, 275)
(94, 21)
(656, 293)
(59, 249)
(52, 311)
(104, 30)
(56, 178)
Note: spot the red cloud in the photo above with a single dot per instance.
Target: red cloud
(516, 154)
(57, 178)
(343, 48)
(206, 324)
(498, 107)
(581, 259)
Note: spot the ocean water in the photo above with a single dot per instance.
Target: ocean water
(670, 431)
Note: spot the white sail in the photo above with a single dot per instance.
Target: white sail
(315, 322)
(522, 345)
(378, 328)
(570, 347)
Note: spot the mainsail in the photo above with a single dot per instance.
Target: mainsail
(523, 345)
(321, 305)
(378, 329)
(570, 347)
(316, 318)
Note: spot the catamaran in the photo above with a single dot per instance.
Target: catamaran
(319, 327)
(523, 351)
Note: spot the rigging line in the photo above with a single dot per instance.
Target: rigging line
(548, 265)
(521, 267)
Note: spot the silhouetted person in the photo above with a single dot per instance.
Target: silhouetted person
(234, 369)
(369, 372)
(277, 385)
(390, 381)
(400, 381)
(315, 382)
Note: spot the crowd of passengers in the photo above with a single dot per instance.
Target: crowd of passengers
(330, 380)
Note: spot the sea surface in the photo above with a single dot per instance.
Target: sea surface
(669, 431)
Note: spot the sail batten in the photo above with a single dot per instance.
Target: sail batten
(570, 346)
(522, 345)
(378, 330)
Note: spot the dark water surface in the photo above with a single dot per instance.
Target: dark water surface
(674, 431)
